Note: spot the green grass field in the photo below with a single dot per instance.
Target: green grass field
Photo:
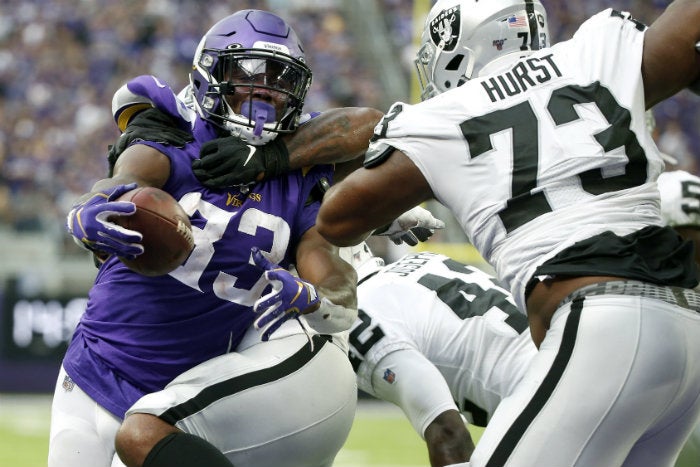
(381, 436)
(24, 430)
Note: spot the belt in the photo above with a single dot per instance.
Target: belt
(684, 298)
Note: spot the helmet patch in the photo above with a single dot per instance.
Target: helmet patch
(265, 45)
(445, 28)
(517, 21)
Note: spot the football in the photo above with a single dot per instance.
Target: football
(166, 230)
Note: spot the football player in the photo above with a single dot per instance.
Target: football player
(439, 339)
(680, 204)
(430, 332)
(287, 395)
(541, 153)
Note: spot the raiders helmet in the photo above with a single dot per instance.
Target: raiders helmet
(362, 259)
(461, 38)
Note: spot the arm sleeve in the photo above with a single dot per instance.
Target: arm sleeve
(406, 378)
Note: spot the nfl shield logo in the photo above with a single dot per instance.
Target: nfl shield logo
(389, 376)
(68, 384)
(444, 29)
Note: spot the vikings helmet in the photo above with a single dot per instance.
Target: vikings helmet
(362, 259)
(251, 52)
(462, 37)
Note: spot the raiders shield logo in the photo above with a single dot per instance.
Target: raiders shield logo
(444, 29)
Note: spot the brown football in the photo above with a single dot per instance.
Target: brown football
(166, 230)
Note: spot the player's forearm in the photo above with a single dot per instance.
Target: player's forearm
(337, 135)
(338, 309)
(340, 290)
(335, 283)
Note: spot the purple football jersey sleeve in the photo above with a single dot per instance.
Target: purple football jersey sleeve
(163, 98)
(139, 332)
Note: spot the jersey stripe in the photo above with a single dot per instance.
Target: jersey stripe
(532, 22)
(243, 382)
(516, 431)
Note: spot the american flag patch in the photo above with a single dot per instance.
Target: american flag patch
(389, 376)
(517, 21)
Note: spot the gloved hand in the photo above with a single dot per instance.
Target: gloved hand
(229, 161)
(413, 226)
(289, 297)
(89, 224)
(149, 125)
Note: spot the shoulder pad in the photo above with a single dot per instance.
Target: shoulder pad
(147, 91)
(376, 154)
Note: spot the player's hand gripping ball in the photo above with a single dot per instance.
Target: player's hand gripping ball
(166, 229)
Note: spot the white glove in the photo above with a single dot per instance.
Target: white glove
(413, 226)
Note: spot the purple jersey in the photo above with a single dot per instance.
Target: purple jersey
(138, 332)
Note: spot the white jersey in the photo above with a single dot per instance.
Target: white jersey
(527, 156)
(455, 316)
(680, 198)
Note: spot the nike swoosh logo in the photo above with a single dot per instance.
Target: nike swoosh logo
(252, 151)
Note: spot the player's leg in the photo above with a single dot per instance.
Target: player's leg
(82, 432)
(147, 441)
(581, 401)
(664, 439)
(663, 443)
(283, 403)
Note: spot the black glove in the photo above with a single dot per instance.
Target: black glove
(148, 125)
(229, 161)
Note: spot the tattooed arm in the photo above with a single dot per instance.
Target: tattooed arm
(338, 136)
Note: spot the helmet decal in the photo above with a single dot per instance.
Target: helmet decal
(271, 46)
(362, 259)
(516, 21)
(444, 29)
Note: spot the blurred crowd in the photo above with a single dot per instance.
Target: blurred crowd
(678, 119)
(61, 61)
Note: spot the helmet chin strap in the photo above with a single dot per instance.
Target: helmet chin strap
(261, 113)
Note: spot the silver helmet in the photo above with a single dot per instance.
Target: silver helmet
(461, 37)
(362, 259)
